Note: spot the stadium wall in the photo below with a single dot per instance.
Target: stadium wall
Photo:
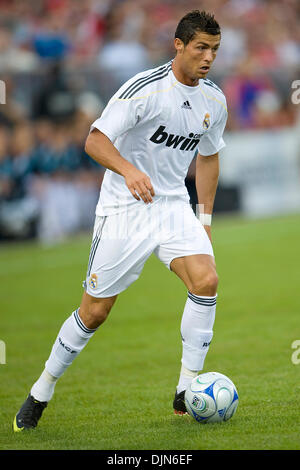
(264, 167)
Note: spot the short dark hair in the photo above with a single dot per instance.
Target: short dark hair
(195, 21)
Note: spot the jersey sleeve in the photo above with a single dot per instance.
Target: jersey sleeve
(212, 141)
(118, 117)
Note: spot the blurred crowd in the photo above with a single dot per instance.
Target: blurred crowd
(61, 60)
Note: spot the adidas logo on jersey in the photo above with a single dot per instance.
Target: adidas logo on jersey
(172, 140)
(186, 105)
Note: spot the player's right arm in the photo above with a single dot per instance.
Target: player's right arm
(99, 147)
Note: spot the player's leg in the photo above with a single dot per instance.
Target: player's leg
(198, 272)
(187, 251)
(73, 336)
(93, 311)
(116, 261)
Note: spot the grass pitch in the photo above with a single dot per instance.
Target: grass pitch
(118, 393)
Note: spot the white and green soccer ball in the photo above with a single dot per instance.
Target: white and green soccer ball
(211, 398)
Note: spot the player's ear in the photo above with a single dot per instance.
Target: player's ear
(179, 46)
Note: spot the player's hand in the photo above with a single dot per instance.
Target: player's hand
(139, 184)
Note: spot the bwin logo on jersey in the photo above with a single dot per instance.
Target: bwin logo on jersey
(172, 140)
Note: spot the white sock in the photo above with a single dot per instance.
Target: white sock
(196, 333)
(185, 378)
(43, 388)
(71, 339)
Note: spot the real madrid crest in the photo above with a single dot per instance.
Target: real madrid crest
(93, 281)
(206, 121)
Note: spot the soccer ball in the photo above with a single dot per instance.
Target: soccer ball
(211, 398)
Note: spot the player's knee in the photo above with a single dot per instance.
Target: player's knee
(99, 313)
(206, 284)
(95, 314)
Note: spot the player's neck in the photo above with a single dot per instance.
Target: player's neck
(182, 77)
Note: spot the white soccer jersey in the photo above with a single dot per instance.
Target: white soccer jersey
(157, 124)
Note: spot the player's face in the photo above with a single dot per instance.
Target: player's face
(197, 56)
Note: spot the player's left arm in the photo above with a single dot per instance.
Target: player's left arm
(206, 179)
(207, 163)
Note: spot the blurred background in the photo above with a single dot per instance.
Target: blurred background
(61, 60)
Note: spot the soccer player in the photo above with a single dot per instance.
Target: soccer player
(147, 137)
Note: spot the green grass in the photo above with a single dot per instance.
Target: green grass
(118, 393)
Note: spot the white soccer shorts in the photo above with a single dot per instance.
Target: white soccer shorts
(123, 242)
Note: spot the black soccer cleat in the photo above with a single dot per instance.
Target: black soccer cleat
(178, 404)
(29, 414)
